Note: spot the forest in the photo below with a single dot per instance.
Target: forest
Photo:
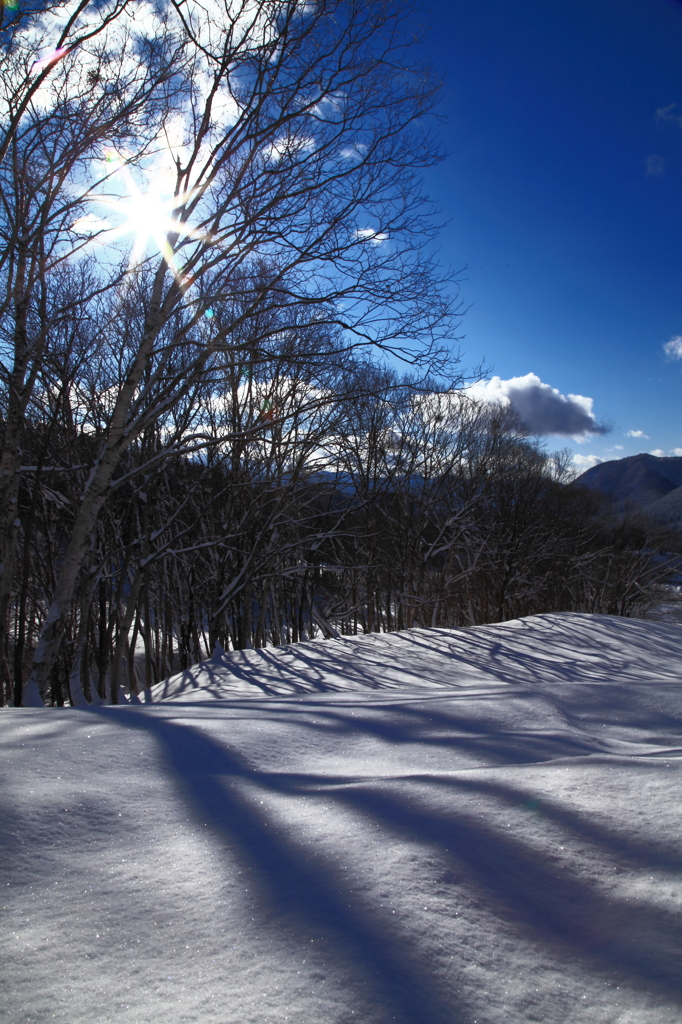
(232, 406)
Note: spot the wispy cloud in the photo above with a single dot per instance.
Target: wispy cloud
(541, 407)
(354, 152)
(293, 147)
(673, 348)
(636, 433)
(655, 165)
(670, 114)
(676, 451)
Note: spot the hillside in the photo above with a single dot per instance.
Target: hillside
(644, 482)
(640, 480)
(667, 510)
(477, 826)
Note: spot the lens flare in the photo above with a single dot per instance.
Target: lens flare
(48, 61)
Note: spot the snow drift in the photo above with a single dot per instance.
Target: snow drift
(431, 827)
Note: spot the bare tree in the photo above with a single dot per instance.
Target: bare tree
(294, 136)
(58, 112)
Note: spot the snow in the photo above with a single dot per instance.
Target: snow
(430, 827)
(669, 607)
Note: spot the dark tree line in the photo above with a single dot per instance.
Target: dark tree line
(333, 498)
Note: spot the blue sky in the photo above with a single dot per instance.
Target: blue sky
(563, 191)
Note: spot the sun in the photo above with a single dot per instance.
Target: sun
(149, 216)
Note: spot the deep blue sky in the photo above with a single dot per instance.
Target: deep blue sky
(563, 189)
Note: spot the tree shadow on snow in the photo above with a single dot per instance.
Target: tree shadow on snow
(611, 659)
(547, 901)
(303, 891)
(299, 890)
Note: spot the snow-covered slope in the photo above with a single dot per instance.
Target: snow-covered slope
(540, 649)
(432, 827)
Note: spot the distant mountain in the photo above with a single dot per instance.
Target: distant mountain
(642, 481)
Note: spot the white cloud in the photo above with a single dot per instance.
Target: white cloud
(676, 451)
(673, 348)
(658, 452)
(586, 461)
(618, 447)
(369, 235)
(636, 433)
(542, 408)
(89, 223)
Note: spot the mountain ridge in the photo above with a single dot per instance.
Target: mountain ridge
(651, 483)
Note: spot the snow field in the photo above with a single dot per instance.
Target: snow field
(473, 827)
